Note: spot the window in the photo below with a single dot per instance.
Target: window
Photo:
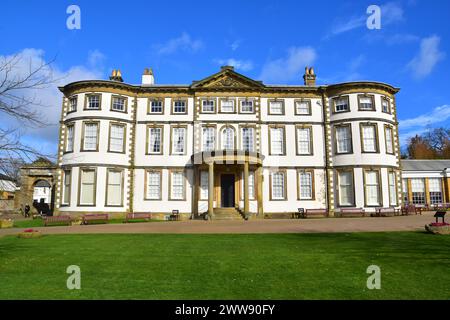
(366, 103)
(117, 138)
(392, 189)
(305, 179)
(418, 191)
(251, 185)
(114, 188)
(179, 106)
(276, 107)
(90, 138)
(69, 138)
(209, 138)
(371, 188)
(343, 139)
(154, 140)
(87, 187)
(177, 185)
(277, 141)
(66, 187)
(227, 106)
(435, 189)
(153, 185)
(389, 141)
(346, 190)
(369, 138)
(93, 102)
(278, 186)
(204, 185)
(341, 104)
(385, 105)
(247, 106)
(302, 107)
(405, 190)
(228, 138)
(156, 106)
(304, 145)
(247, 139)
(73, 104)
(208, 106)
(178, 140)
(118, 104)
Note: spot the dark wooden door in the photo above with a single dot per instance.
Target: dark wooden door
(227, 190)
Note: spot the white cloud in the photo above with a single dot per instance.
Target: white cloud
(427, 58)
(391, 12)
(183, 43)
(235, 45)
(49, 96)
(290, 67)
(417, 125)
(244, 65)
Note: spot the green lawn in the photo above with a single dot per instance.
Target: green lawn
(266, 266)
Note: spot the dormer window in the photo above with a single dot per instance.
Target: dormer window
(341, 104)
(93, 102)
(208, 105)
(179, 106)
(118, 104)
(366, 103)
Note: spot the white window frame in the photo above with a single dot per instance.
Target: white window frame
(281, 185)
(152, 186)
(111, 145)
(113, 200)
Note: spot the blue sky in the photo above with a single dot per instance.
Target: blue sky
(266, 40)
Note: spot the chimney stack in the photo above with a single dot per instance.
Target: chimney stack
(309, 77)
(116, 75)
(147, 77)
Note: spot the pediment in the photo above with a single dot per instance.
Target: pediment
(227, 79)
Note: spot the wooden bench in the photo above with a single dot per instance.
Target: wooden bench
(386, 212)
(95, 218)
(352, 212)
(175, 216)
(57, 220)
(315, 212)
(137, 216)
(412, 209)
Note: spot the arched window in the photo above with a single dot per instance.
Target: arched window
(228, 138)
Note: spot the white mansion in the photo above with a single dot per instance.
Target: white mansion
(227, 143)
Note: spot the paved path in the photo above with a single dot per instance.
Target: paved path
(401, 223)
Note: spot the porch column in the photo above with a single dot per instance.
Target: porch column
(259, 179)
(211, 189)
(246, 201)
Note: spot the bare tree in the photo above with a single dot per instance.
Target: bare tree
(20, 106)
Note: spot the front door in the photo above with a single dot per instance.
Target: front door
(227, 190)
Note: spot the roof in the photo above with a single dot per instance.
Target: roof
(226, 79)
(425, 165)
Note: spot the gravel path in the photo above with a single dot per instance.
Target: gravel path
(401, 223)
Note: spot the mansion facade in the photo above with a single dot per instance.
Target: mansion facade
(226, 145)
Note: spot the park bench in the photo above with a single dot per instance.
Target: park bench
(387, 211)
(410, 209)
(351, 212)
(440, 206)
(315, 213)
(138, 216)
(52, 220)
(175, 216)
(95, 218)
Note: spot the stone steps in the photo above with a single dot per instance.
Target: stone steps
(227, 214)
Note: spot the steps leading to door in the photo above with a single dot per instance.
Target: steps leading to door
(227, 214)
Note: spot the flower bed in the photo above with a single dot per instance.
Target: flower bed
(438, 228)
(30, 233)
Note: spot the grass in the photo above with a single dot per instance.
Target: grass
(414, 265)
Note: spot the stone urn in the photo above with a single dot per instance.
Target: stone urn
(6, 223)
(438, 228)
